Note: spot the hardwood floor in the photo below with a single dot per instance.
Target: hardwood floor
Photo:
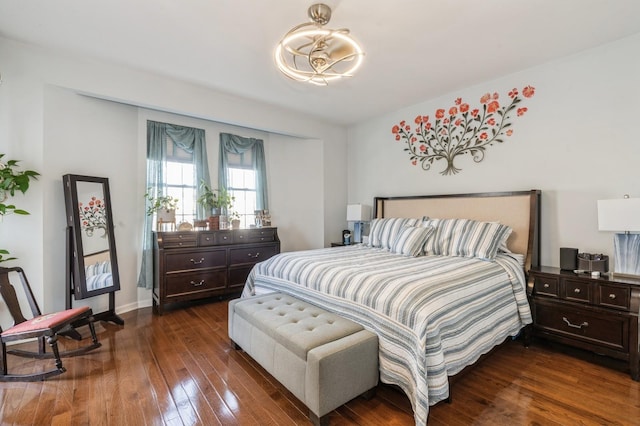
(180, 369)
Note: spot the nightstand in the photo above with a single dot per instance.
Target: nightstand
(341, 244)
(594, 314)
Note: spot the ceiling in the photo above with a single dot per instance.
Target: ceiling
(415, 49)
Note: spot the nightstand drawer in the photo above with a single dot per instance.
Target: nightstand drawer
(614, 297)
(605, 330)
(548, 286)
(577, 291)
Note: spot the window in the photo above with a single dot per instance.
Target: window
(180, 181)
(243, 173)
(242, 186)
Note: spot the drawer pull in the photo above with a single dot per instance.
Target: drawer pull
(584, 324)
(612, 296)
(545, 285)
(224, 238)
(208, 238)
(197, 262)
(195, 284)
(576, 290)
(254, 256)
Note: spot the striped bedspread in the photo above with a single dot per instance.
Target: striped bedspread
(434, 315)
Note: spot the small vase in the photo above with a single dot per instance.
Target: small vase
(235, 223)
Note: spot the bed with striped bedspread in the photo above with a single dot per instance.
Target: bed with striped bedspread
(434, 315)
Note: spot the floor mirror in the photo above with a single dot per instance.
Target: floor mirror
(92, 262)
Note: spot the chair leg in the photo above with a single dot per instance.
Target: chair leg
(53, 342)
(4, 359)
(92, 328)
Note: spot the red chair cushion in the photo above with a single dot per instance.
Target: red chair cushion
(45, 322)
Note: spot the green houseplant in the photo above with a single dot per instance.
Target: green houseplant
(12, 180)
(218, 201)
(234, 217)
(163, 202)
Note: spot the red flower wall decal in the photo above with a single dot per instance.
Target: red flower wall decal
(460, 131)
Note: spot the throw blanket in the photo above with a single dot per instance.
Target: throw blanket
(434, 315)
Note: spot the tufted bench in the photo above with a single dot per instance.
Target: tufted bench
(323, 359)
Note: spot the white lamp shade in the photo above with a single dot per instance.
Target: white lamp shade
(358, 213)
(619, 215)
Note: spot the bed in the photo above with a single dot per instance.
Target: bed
(441, 281)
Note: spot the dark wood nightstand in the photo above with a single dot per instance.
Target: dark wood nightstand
(595, 314)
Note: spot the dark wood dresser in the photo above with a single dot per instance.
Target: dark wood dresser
(191, 265)
(595, 314)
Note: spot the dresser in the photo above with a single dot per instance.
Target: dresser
(190, 265)
(595, 314)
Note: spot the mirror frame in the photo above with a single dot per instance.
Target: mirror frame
(76, 250)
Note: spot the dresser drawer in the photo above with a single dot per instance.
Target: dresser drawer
(175, 262)
(175, 239)
(251, 254)
(195, 282)
(610, 331)
(215, 238)
(548, 286)
(614, 296)
(577, 291)
(259, 235)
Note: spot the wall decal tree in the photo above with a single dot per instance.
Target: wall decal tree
(460, 130)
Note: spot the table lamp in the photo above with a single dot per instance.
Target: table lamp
(358, 213)
(623, 217)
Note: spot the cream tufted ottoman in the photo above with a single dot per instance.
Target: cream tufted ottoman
(323, 359)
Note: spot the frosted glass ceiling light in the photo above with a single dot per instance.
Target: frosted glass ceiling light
(315, 54)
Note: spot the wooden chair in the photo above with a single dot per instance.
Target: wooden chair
(48, 326)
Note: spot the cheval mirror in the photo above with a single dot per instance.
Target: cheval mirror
(92, 263)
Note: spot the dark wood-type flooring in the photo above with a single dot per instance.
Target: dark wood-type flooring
(179, 369)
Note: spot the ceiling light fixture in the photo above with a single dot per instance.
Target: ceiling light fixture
(315, 54)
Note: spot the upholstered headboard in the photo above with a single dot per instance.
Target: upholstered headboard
(520, 210)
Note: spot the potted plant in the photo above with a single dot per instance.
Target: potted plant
(11, 181)
(217, 201)
(164, 206)
(235, 219)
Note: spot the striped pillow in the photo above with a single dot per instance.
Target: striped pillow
(383, 232)
(467, 238)
(410, 240)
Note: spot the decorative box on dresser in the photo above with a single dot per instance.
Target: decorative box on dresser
(595, 314)
(190, 265)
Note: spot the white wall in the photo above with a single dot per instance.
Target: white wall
(46, 123)
(577, 143)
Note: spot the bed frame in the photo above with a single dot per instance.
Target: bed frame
(520, 210)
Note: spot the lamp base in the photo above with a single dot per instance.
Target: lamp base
(357, 232)
(626, 251)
